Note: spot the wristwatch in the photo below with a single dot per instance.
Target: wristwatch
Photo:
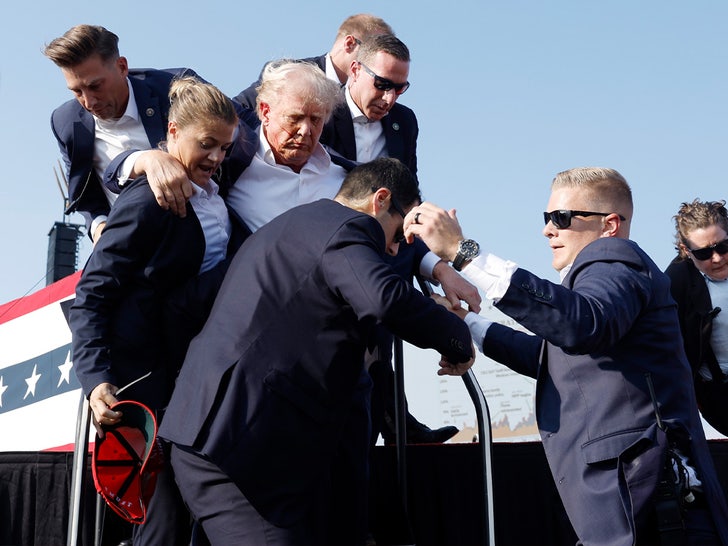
(467, 250)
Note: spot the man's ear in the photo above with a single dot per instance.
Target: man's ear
(350, 43)
(380, 200)
(264, 110)
(611, 225)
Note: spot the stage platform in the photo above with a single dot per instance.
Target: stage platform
(444, 497)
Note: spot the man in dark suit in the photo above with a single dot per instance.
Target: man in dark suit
(102, 121)
(337, 62)
(614, 395)
(371, 123)
(264, 395)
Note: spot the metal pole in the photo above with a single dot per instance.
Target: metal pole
(78, 472)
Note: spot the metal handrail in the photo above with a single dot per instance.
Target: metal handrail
(485, 439)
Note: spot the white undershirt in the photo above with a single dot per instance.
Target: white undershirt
(111, 137)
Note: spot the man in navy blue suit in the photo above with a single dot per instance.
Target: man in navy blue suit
(337, 62)
(116, 109)
(261, 405)
(615, 403)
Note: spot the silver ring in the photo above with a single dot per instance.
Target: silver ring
(417, 218)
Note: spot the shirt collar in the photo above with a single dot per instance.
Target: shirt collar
(320, 158)
(357, 116)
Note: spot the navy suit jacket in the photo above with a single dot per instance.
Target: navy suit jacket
(400, 132)
(121, 324)
(268, 383)
(611, 323)
(73, 127)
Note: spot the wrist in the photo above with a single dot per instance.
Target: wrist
(466, 251)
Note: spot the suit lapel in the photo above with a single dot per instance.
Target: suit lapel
(150, 112)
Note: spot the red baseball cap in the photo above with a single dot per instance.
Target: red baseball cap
(127, 460)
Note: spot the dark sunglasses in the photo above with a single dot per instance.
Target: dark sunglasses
(706, 253)
(562, 218)
(383, 84)
(399, 235)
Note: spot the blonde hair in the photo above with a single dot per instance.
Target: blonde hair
(279, 77)
(192, 101)
(605, 189)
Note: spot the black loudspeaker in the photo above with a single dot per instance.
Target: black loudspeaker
(62, 251)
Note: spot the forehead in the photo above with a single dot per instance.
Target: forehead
(388, 66)
(568, 199)
(297, 102)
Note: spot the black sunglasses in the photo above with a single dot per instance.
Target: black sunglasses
(562, 218)
(383, 84)
(399, 235)
(706, 253)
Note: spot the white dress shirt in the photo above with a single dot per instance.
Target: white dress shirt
(215, 221)
(266, 189)
(369, 135)
(111, 137)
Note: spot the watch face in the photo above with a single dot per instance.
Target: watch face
(469, 248)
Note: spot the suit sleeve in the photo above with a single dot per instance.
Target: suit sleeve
(606, 298)
(130, 238)
(355, 270)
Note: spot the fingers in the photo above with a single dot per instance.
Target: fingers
(100, 400)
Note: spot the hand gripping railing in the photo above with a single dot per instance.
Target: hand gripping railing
(484, 432)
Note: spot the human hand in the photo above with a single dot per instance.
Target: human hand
(447, 304)
(448, 368)
(167, 178)
(100, 399)
(456, 287)
(437, 227)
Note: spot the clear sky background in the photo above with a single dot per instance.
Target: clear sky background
(507, 94)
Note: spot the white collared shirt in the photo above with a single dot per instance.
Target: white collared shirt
(266, 189)
(215, 221)
(118, 135)
(111, 137)
(369, 135)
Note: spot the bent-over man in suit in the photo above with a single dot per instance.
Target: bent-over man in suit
(615, 403)
(265, 392)
(116, 109)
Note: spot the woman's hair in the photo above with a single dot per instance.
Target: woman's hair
(192, 101)
(698, 215)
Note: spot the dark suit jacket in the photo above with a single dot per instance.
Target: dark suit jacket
(268, 383)
(610, 323)
(696, 312)
(400, 132)
(73, 127)
(119, 320)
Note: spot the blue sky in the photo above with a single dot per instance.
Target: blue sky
(507, 94)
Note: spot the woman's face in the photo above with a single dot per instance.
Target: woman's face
(200, 147)
(716, 266)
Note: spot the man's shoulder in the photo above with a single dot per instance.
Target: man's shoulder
(160, 74)
(403, 112)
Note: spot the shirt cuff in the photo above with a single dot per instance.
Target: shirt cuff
(491, 274)
(427, 265)
(478, 327)
(96, 221)
(127, 166)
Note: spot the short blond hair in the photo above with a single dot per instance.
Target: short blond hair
(605, 189)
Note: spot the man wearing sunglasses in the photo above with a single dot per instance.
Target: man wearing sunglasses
(372, 123)
(337, 62)
(698, 276)
(614, 391)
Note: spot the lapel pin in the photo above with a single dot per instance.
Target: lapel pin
(395, 126)
(150, 112)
